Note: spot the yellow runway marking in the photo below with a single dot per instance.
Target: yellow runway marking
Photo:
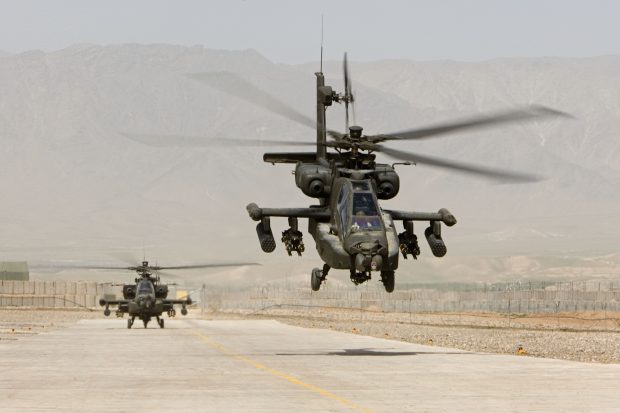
(325, 393)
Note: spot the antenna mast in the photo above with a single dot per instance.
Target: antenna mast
(321, 67)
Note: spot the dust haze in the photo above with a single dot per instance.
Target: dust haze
(76, 188)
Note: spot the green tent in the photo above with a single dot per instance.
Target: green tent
(17, 270)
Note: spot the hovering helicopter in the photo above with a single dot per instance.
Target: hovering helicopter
(351, 231)
(147, 298)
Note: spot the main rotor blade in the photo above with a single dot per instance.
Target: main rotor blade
(233, 84)
(126, 257)
(476, 122)
(187, 267)
(167, 275)
(69, 266)
(499, 175)
(205, 142)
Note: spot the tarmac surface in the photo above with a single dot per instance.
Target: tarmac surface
(266, 366)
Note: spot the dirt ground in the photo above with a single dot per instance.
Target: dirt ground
(586, 337)
(16, 323)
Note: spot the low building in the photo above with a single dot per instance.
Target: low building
(14, 270)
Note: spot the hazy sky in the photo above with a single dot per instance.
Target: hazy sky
(289, 31)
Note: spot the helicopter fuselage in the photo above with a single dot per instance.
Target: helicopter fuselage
(144, 300)
(349, 228)
(358, 235)
(344, 238)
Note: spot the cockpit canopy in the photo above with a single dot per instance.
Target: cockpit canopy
(145, 287)
(358, 207)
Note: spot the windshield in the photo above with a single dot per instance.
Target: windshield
(365, 213)
(145, 287)
(360, 185)
(364, 205)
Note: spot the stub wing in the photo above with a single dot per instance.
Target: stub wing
(409, 241)
(292, 237)
(186, 301)
(318, 213)
(119, 303)
(443, 215)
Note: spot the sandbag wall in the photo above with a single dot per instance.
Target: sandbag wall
(51, 294)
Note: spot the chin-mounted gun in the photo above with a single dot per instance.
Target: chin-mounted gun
(293, 238)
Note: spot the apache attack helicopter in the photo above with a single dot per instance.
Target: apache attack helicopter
(147, 298)
(350, 229)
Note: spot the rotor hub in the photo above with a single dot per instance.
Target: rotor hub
(355, 133)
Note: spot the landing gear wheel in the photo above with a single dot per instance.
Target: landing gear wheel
(387, 278)
(129, 323)
(315, 279)
(161, 323)
(145, 323)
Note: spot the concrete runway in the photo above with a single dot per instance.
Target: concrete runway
(265, 366)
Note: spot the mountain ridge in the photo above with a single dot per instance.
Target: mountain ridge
(71, 177)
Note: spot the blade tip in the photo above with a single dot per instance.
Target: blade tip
(547, 111)
(521, 179)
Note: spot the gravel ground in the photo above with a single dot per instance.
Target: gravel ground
(579, 337)
(22, 322)
(591, 337)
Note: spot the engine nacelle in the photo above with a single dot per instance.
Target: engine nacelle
(161, 291)
(313, 179)
(129, 292)
(387, 182)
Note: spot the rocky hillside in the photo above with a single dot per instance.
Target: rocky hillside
(74, 187)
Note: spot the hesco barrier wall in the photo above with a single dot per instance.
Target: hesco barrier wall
(510, 298)
(50, 294)
(549, 300)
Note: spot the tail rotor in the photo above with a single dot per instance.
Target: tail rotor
(348, 93)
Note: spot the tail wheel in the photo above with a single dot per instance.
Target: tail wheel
(129, 323)
(387, 278)
(315, 279)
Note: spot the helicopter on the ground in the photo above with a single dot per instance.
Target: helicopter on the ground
(350, 229)
(148, 297)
